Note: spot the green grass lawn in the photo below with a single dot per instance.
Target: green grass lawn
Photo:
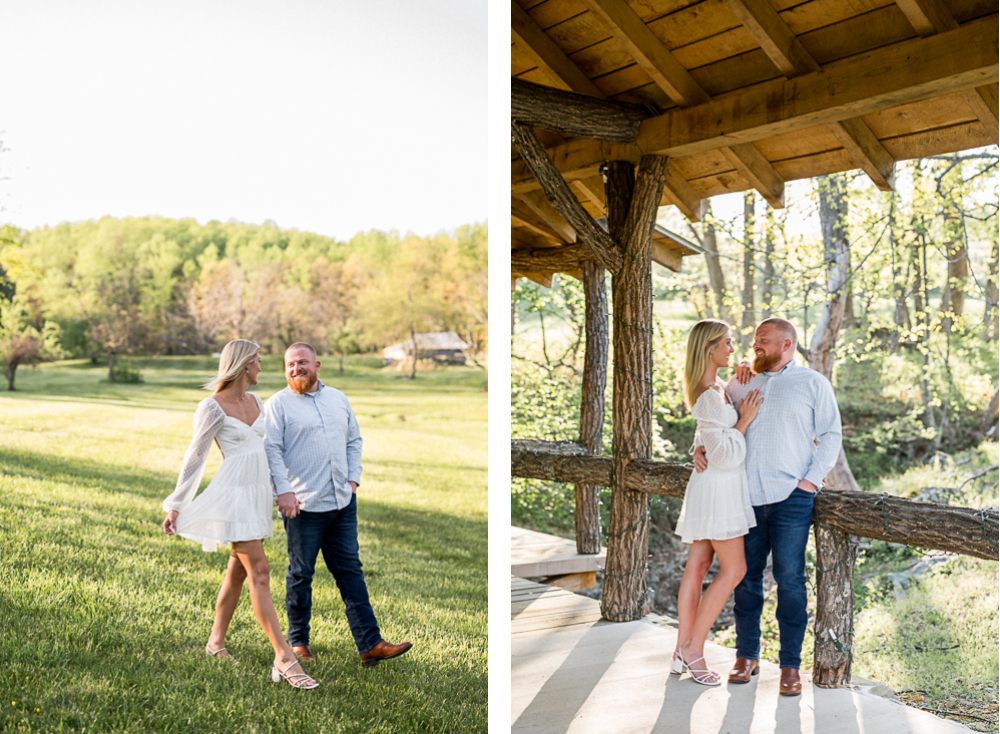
(105, 618)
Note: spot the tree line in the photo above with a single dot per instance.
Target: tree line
(151, 286)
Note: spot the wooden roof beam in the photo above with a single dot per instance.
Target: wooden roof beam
(866, 150)
(571, 113)
(522, 213)
(535, 201)
(549, 57)
(785, 50)
(929, 17)
(671, 76)
(906, 72)
(557, 191)
(679, 193)
(651, 55)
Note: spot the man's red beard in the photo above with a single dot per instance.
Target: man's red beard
(302, 383)
(764, 362)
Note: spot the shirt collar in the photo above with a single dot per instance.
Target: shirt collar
(775, 374)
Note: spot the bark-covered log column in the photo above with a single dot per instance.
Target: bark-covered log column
(631, 216)
(595, 377)
(836, 552)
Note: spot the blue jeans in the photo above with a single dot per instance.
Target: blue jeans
(336, 534)
(783, 530)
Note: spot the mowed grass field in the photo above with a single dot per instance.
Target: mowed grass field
(104, 619)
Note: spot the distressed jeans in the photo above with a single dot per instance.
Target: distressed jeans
(336, 534)
(783, 531)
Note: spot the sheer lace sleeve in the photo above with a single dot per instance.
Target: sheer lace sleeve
(208, 419)
(725, 447)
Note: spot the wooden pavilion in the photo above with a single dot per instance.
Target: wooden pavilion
(619, 107)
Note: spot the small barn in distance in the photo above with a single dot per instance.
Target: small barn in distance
(444, 347)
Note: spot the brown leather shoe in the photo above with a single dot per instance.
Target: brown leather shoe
(304, 653)
(383, 651)
(790, 683)
(743, 669)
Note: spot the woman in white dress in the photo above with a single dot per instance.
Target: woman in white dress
(716, 513)
(236, 506)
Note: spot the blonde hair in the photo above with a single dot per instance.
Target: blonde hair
(704, 337)
(236, 355)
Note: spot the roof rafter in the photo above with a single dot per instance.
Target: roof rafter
(671, 76)
(909, 71)
(549, 57)
(929, 17)
(786, 51)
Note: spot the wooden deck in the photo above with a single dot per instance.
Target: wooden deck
(571, 672)
(539, 555)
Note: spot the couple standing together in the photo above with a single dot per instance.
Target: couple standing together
(303, 450)
(765, 441)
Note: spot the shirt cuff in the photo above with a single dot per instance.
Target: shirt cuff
(817, 480)
(356, 478)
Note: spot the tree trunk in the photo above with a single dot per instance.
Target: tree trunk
(413, 339)
(837, 255)
(10, 370)
(767, 287)
(836, 552)
(747, 323)
(111, 366)
(716, 278)
(595, 376)
(991, 314)
(917, 284)
(632, 211)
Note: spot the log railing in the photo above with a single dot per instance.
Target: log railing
(837, 515)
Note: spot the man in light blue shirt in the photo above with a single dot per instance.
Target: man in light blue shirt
(313, 447)
(792, 445)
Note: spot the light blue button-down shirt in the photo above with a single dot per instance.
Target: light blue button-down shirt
(313, 446)
(796, 434)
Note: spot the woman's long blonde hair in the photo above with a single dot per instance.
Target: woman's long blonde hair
(236, 355)
(705, 336)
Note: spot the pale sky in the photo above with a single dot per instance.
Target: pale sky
(333, 117)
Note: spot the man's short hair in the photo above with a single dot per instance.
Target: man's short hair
(785, 327)
(302, 345)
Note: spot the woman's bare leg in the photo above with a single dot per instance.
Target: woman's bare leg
(732, 567)
(689, 596)
(225, 605)
(251, 554)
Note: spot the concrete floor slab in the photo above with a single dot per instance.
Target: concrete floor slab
(615, 678)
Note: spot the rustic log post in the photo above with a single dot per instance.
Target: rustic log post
(631, 216)
(836, 552)
(595, 377)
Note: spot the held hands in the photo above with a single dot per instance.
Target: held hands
(170, 523)
(700, 461)
(288, 505)
(743, 372)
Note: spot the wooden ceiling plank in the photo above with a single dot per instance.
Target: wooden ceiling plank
(654, 58)
(592, 189)
(867, 151)
(543, 279)
(549, 57)
(774, 36)
(983, 102)
(670, 259)
(928, 16)
(682, 195)
(537, 203)
(906, 72)
(522, 213)
(758, 171)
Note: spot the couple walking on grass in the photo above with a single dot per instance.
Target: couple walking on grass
(301, 450)
(765, 440)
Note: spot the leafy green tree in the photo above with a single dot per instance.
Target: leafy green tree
(20, 342)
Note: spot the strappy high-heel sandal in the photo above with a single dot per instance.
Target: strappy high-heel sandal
(676, 663)
(216, 653)
(295, 680)
(705, 677)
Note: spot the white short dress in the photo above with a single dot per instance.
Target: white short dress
(717, 502)
(238, 503)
